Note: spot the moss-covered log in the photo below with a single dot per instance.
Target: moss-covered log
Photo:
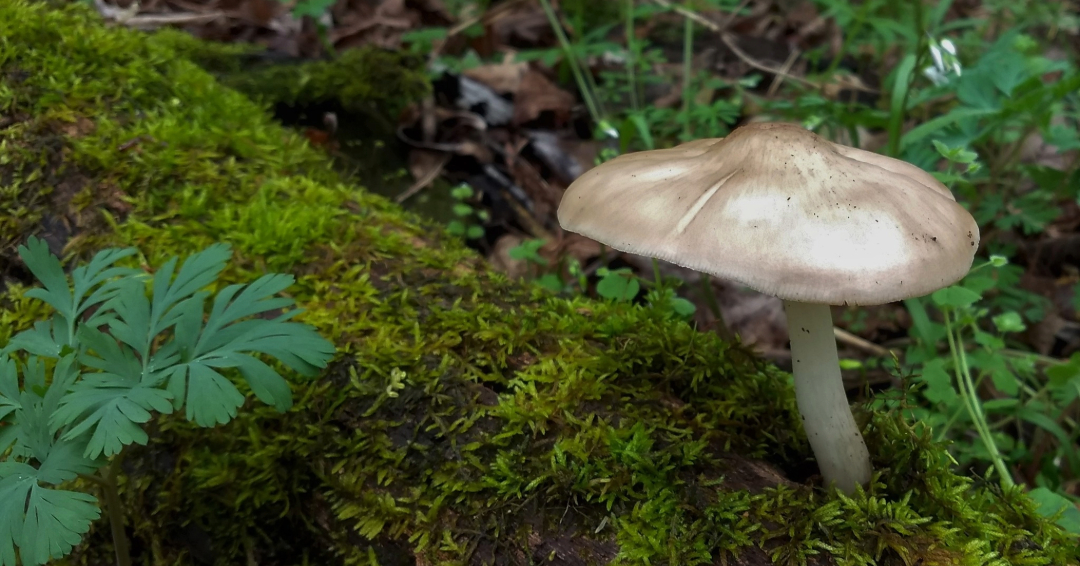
(468, 419)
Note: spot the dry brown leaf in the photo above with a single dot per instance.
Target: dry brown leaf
(500, 257)
(545, 197)
(503, 78)
(578, 247)
(537, 95)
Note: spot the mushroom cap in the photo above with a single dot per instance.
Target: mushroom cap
(783, 211)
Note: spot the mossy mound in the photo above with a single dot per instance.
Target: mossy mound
(468, 419)
(368, 81)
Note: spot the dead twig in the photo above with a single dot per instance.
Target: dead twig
(732, 44)
(848, 339)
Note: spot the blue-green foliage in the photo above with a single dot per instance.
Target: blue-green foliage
(86, 393)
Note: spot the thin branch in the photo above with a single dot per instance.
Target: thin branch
(732, 44)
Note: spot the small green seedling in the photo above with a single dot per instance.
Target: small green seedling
(617, 284)
(111, 356)
(529, 251)
(469, 219)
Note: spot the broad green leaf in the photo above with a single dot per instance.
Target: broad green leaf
(1050, 504)
(1000, 405)
(901, 84)
(976, 89)
(1009, 70)
(939, 385)
(924, 130)
(1063, 373)
(1009, 322)
(474, 232)
(1002, 375)
(987, 340)
(955, 296)
(550, 281)
(1043, 421)
(312, 8)
(682, 307)
(620, 285)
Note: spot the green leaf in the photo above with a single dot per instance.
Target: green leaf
(1009, 322)
(955, 296)
(132, 322)
(939, 385)
(43, 523)
(976, 89)
(312, 8)
(1002, 375)
(1009, 70)
(850, 364)
(474, 232)
(924, 130)
(550, 281)
(682, 307)
(1063, 373)
(30, 435)
(111, 410)
(1041, 420)
(268, 386)
(46, 267)
(198, 271)
(901, 84)
(529, 250)
(461, 192)
(619, 284)
(209, 397)
(1050, 504)
(68, 302)
(45, 339)
(1007, 406)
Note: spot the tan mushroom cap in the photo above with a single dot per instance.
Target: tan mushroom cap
(784, 211)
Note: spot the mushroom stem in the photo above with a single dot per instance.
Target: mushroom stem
(819, 393)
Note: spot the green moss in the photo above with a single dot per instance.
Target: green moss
(468, 417)
(370, 81)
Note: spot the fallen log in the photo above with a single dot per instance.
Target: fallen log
(467, 418)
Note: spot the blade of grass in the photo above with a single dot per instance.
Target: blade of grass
(571, 59)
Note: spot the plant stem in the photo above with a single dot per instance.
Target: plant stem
(968, 393)
(714, 307)
(631, 54)
(111, 495)
(571, 59)
(905, 73)
(688, 67)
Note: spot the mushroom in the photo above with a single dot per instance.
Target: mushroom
(788, 213)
